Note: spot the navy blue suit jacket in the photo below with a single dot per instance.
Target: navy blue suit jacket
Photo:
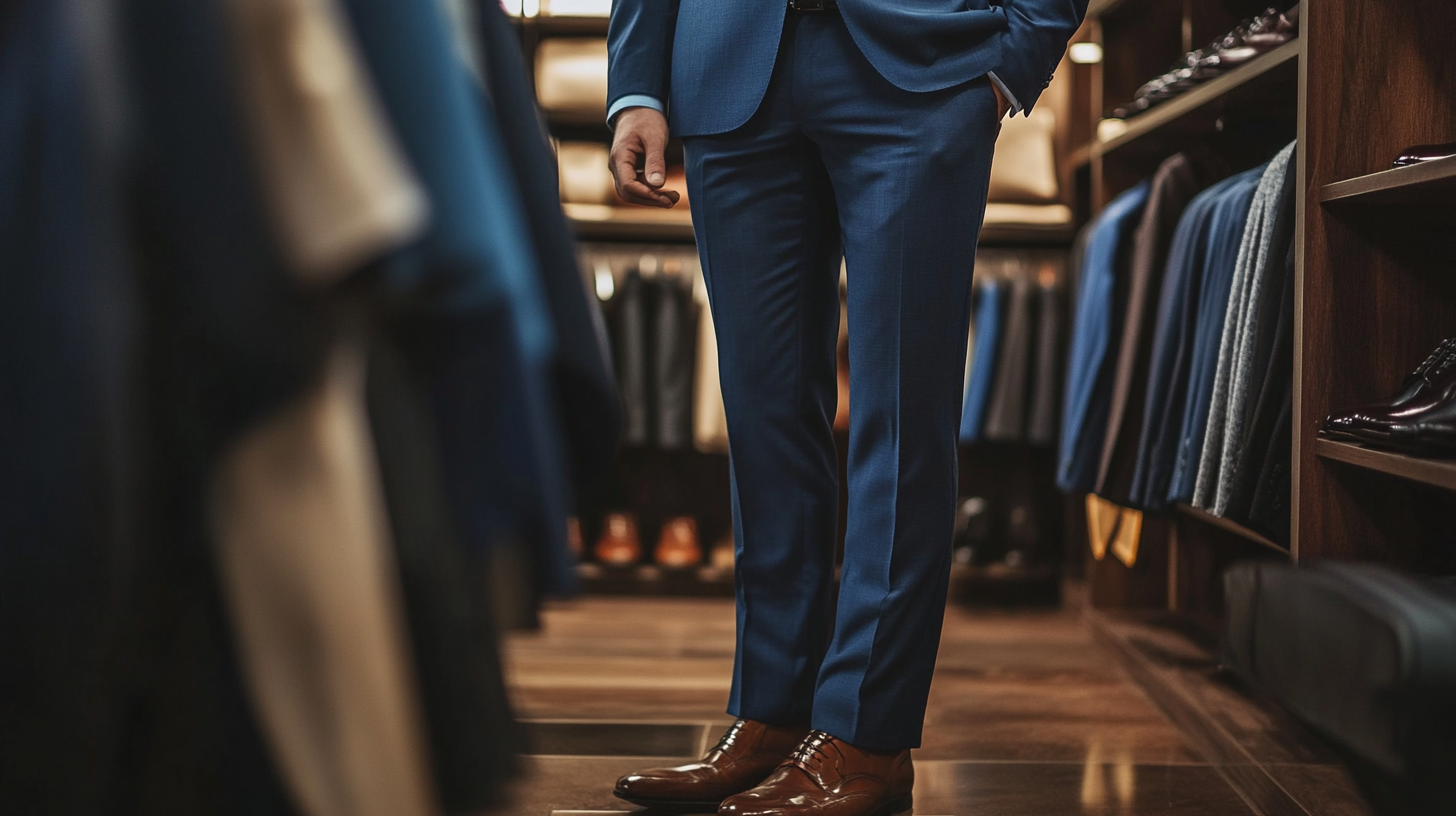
(712, 59)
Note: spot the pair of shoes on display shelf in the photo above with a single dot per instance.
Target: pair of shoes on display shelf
(1420, 419)
(678, 547)
(763, 770)
(1258, 36)
(1014, 544)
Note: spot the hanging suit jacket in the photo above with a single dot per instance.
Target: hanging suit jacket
(1090, 365)
(712, 61)
(1177, 181)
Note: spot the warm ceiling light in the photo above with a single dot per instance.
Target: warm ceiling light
(1085, 53)
(512, 7)
(530, 8)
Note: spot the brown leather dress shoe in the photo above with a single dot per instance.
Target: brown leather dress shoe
(829, 777)
(746, 754)
(678, 547)
(619, 545)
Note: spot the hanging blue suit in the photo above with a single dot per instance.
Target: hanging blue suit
(866, 131)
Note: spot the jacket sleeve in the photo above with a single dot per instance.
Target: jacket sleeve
(1038, 32)
(639, 48)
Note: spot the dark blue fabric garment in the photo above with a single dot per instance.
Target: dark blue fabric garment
(839, 157)
(230, 338)
(64, 341)
(1226, 232)
(1090, 364)
(586, 394)
(714, 61)
(983, 361)
(479, 325)
(1172, 341)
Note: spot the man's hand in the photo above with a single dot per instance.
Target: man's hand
(638, 163)
(1003, 105)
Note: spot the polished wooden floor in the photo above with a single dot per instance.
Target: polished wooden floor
(1028, 714)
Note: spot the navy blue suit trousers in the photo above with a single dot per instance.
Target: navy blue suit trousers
(838, 159)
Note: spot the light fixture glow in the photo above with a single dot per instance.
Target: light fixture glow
(530, 8)
(1085, 53)
(512, 7)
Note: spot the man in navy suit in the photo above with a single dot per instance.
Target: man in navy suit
(814, 130)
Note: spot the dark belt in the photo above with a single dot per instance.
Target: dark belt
(813, 6)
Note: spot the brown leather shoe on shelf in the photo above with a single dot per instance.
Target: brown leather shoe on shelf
(619, 546)
(748, 752)
(829, 777)
(677, 547)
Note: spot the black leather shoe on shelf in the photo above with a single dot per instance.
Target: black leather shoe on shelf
(1420, 154)
(1432, 385)
(1434, 435)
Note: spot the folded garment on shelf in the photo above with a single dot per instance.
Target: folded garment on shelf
(585, 176)
(1024, 170)
(571, 76)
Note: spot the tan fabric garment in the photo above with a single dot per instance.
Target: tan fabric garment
(585, 176)
(1024, 169)
(337, 188)
(710, 422)
(310, 583)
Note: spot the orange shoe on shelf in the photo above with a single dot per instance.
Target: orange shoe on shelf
(678, 547)
(619, 546)
(721, 557)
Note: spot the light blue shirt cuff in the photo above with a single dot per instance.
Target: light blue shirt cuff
(1005, 91)
(633, 101)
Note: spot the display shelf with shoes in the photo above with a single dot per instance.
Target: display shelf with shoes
(1264, 87)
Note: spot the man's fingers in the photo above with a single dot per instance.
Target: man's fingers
(654, 167)
(636, 192)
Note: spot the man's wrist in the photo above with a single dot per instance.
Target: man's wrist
(633, 101)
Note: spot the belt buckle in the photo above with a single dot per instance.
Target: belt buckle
(812, 6)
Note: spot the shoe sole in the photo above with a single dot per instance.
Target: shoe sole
(900, 807)
(679, 805)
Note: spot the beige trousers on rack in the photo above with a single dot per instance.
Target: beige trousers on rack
(310, 583)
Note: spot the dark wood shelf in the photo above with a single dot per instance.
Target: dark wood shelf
(1267, 83)
(646, 579)
(600, 222)
(1020, 235)
(1081, 156)
(1428, 183)
(564, 26)
(1436, 472)
(1230, 526)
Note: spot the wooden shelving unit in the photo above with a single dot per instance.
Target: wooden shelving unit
(1234, 527)
(1434, 472)
(1432, 183)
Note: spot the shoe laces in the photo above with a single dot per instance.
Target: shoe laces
(811, 750)
(730, 736)
(1441, 359)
